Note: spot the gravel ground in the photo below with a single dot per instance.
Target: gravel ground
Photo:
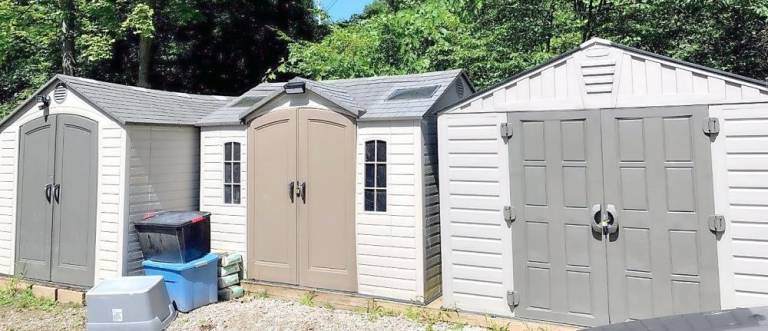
(272, 314)
(250, 313)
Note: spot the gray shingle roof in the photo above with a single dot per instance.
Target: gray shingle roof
(366, 97)
(129, 104)
(229, 114)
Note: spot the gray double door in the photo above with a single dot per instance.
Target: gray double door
(612, 211)
(56, 210)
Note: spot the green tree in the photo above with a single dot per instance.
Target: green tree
(494, 39)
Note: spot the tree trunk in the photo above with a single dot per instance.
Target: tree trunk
(68, 43)
(145, 60)
(145, 54)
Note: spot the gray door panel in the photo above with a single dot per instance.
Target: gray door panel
(74, 197)
(33, 224)
(556, 178)
(662, 260)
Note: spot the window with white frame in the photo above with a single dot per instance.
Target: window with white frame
(232, 173)
(375, 176)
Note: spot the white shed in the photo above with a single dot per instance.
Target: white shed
(79, 161)
(331, 184)
(607, 184)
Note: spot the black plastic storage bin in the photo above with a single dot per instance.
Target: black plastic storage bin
(175, 236)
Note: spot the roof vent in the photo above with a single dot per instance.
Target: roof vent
(247, 101)
(412, 93)
(60, 93)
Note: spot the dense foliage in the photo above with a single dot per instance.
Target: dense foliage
(200, 46)
(493, 39)
(227, 46)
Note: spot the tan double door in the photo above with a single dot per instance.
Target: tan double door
(301, 172)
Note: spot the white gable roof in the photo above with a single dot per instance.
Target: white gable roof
(601, 74)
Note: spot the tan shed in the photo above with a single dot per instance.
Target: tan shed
(332, 184)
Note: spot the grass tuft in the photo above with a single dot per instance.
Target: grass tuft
(308, 299)
(22, 298)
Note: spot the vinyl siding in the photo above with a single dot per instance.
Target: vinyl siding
(228, 221)
(476, 243)
(164, 175)
(740, 168)
(601, 76)
(389, 244)
(431, 201)
(110, 185)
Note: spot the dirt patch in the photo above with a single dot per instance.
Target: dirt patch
(56, 318)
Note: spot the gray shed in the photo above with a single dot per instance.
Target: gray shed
(79, 161)
(331, 184)
(605, 185)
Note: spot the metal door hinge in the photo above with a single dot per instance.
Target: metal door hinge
(509, 214)
(717, 223)
(712, 126)
(513, 299)
(505, 130)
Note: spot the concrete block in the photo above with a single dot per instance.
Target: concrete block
(45, 292)
(70, 296)
(22, 285)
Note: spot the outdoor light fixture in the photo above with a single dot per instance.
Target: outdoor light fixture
(294, 87)
(44, 100)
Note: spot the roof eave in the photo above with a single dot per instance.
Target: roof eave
(26, 102)
(243, 115)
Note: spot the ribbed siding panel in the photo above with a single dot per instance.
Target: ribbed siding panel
(387, 250)
(228, 221)
(476, 244)
(164, 175)
(432, 260)
(742, 146)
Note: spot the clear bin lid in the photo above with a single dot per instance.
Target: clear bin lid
(173, 218)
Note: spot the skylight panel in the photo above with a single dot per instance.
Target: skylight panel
(413, 93)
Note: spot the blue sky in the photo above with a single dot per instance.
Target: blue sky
(343, 9)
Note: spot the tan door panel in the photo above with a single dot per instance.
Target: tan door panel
(271, 206)
(326, 165)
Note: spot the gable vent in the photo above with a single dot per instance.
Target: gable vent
(460, 89)
(597, 69)
(60, 93)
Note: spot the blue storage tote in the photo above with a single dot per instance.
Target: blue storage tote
(190, 285)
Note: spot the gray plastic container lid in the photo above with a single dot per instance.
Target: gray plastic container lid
(129, 303)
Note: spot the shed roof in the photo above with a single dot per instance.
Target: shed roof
(365, 97)
(130, 104)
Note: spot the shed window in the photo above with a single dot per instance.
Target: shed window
(375, 175)
(232, 173)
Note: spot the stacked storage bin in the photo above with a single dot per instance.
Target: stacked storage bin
(230, 274)
(176, 245)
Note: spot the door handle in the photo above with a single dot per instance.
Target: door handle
(597, 219)
(47, 190)
(612, 222)
(303, 192)
(291, 190)
(56, 191)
